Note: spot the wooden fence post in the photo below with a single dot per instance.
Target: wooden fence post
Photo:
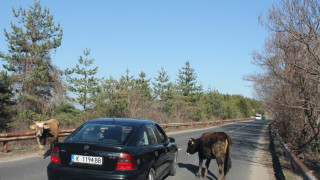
(5, 146)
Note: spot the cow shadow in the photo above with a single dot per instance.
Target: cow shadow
(194, 169)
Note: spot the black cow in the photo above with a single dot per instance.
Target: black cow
(212, 145)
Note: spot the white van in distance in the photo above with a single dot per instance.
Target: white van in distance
(258, 117)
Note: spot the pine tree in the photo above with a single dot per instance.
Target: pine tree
(187, 81)
(126, 82)
(143, 85)
(111, 101)
(244, 106)
(6, 101)
(161, 84)
(30, 44)
(170, 96)
(83, 83)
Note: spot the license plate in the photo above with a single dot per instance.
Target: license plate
(86, 159)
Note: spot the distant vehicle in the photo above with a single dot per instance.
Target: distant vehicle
(117, 148)
(264, 118)
(258, 117)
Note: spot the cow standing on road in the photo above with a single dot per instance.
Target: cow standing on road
(46, 131)
(212, 145)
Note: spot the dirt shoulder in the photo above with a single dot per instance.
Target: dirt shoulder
(17, 154)
(263, 168)
(273, 164)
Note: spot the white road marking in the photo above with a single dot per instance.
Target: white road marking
(237, 128)
(179, 149)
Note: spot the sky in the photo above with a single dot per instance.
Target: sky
(216, 37)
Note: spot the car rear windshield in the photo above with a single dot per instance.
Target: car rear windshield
(102, 133)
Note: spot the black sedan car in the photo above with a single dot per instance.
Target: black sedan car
(113, 148)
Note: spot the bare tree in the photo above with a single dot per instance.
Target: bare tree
(290, 78)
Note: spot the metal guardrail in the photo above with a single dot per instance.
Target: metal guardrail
(295, 161)
(16, 136)
(202, 123)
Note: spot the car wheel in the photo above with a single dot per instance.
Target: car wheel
(174, 165)
(151, 175)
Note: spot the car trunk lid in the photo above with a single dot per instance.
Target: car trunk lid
(89, 156)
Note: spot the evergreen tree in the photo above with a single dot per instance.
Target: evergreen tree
(161, 84)
(187, 81)
(214, 102)
(244, 106)
(30, 44)
(143, 85)
(126, 82)
(83, 83)
(229, 108)
(111, 101)
(170, 101)
(188, 89)
(6, 101)
(66, 113)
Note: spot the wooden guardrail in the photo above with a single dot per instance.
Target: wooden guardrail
(16, 136)
(295, 161)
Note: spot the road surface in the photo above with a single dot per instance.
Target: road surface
(247, 156)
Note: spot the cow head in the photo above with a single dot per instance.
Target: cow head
(192, 146)
(39, 127)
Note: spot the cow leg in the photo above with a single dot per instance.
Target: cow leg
(200, 167)
(221, 168)
(207, 167)
(41, 147)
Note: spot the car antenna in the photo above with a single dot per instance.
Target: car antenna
(113, 122)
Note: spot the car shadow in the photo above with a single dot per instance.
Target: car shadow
(194, 169)
(43, 154)
(47, 154)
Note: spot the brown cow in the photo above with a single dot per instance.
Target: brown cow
(212, 145)
(46, 131)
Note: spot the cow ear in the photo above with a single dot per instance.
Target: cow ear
(46, 126)
(33, 126)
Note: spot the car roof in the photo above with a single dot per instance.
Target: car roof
(121, 121)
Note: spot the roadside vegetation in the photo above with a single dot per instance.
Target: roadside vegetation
(32, 88)
(288, 80)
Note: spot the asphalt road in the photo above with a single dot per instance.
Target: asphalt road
(245, 136)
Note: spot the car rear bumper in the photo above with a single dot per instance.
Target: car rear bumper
(58, 172)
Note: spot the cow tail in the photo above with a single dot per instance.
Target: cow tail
(227, 161)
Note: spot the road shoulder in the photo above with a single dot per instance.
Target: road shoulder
(262, 169)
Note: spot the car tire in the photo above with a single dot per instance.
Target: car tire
(151, 174)
(174, 165)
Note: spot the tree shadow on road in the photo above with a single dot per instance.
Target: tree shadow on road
(194, 169)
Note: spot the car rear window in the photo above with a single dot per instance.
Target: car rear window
(102, 133)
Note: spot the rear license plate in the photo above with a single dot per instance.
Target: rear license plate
(86, 159)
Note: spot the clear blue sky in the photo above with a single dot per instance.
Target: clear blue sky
(216, 37)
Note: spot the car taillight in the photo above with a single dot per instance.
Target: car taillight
(126, 162)
(55, 158)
